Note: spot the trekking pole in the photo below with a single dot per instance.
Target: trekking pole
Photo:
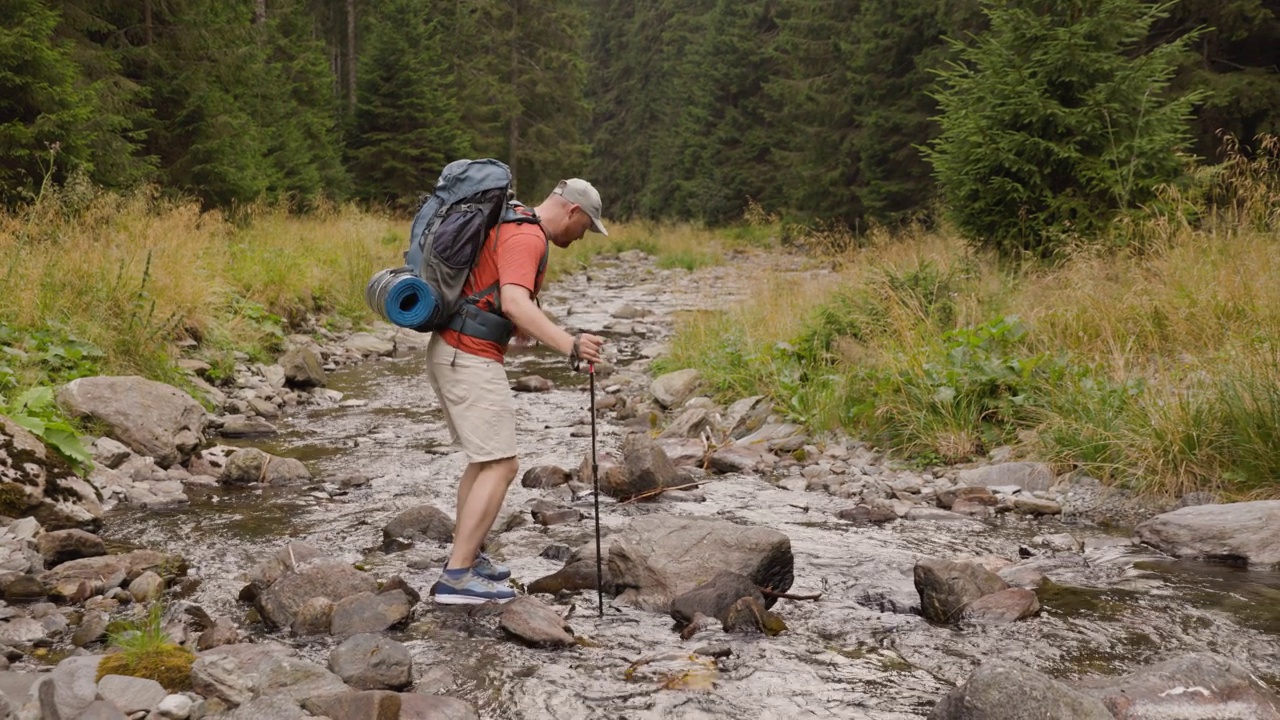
(595, 483)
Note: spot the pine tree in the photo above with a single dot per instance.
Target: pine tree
(44, 108)
(1049, 126)
(407, 126)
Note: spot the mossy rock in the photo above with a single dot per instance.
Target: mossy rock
(168, 664)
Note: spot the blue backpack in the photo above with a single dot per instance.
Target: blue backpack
(470, 199)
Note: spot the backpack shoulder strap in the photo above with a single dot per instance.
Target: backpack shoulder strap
(493, 290)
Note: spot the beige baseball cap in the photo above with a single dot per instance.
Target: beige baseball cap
(581, 193)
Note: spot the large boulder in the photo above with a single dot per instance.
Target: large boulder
(657, 558)
(1246, 532)
(35, 482)
(672, 389)
(1002, 690)
(150, 417)
(330, 579)
(946, 587)
(251, 465)
(1199, 685)
(1029, 476)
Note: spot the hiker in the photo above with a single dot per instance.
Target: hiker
(468, 377)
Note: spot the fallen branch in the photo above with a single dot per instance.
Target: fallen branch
(659, 491)
(786, 596)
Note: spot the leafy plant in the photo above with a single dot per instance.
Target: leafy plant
(145, 650)
(36, 411)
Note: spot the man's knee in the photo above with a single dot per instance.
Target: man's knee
(504, 469)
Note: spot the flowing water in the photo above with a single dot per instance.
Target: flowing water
(1113, 608)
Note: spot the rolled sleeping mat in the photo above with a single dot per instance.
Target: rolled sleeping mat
(400, 297)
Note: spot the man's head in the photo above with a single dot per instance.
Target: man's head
(570, 211)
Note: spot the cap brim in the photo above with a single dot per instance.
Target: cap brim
(598, 226)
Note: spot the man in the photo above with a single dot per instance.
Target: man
(469, 379)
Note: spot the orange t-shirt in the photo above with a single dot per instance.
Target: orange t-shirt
(512, 258)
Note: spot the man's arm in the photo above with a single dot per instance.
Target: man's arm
(518, 306)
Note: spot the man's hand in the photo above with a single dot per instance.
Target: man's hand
(589, 347)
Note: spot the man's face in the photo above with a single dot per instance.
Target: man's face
(578, 225)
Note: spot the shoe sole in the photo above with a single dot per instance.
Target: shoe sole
(450, 599)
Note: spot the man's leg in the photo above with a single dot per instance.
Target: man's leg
(464, 488)
(478, 511)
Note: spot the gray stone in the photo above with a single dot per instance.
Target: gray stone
(532, 622)
(541, 476)
(151, 418)
(223, 632)
(1197, 686)
(175, 707)
(369, 613)
(1002, 690)
(102, 710)
(303, 367)
(1028, 476)
(146, 587)
(247, 428)
(422, 522)
(41, 485)
(367, 344)
(92, 627)
(414, 706)
(295, 679)
(735, 459)
(251, 465)
(74, 686)
(1036, 506)
(657, 558)
(672, 389)
(1003, 606)
(747, 415)
(315, 617)
(269, 707)
(21, 631)
(714, 598)
(647, 468)
(1246, 532)
(371, 662)
(689, 424)
(222, 677)
(110, 452)
(131, 694)
(532, 384)
(331, 579)
(362, 705)
(946, 587)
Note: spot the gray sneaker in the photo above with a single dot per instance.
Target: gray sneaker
(470, 589)
(486, 568)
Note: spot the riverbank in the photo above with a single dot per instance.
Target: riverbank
(1156, 370)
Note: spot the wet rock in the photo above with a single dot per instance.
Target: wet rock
(648, 469)
(147, 587)
(714, 597)
(369, 613)
(176, 707)
(658, 558)
(78, 580)
(1245, 533)
(735, 459)
(361, 705)
(689, 424)
(272, 568)
(776, 437)
(1036, 506)
(749, 615)
(371, 662)
(1003, 690)
(397, 583)
(247, 428)
(977, 511)
(251, 465)
(1004, 606)
(315, 617)
(1058, 542)
(867, 515)
(25, 588)
(556, 552)
(672, 389)
(303, 367)
(423, 522)
(946, 587)
(74, 686)
(151, 418)
(369, 345)
(131, 694)
(323, 578)
(210, 461)
(37, 483)
(547, 513)
(93, 626)
(579, 573)
(223, 632)
(1022, 576)
(266, 707)
(532, 384)
(714, 651)
(684, 453)
(1194, 686)
(221, 677)
(975, 494)
(295, 679)
(101, 710)
(628, 312)
(21, 631)
(543, 476)
(532, 622)
(414, 706)
(923, 513)
(747, 415)
(110, 452)
(1027, 476)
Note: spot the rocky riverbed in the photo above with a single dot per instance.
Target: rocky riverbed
(294, 533)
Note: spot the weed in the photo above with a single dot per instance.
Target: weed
(144, 649)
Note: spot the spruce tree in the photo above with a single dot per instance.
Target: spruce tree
(1050, 126)
(44, 108)
(406, 126)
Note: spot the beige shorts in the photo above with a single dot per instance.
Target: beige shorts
(476, 400)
